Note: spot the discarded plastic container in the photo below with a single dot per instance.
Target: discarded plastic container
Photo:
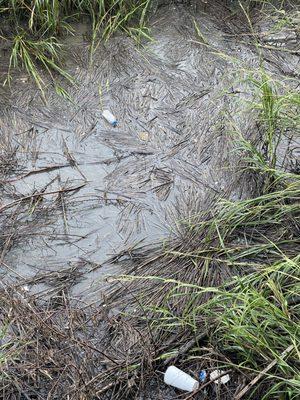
(202, 375)
(110, 118)
(180, 380)
(216, 373)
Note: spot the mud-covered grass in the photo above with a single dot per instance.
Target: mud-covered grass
(227, 295)
(33, 31)
(253, 318)
(222, 293)
(50, 350)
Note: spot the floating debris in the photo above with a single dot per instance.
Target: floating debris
(144, 136)
(110, 118)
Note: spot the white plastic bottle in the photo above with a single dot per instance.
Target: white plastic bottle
(110, 118)
(179, 379)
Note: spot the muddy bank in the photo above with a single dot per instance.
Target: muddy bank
(169, 155)
(132, 175)
(79, 197)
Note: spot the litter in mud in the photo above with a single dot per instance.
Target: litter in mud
(180, 380)
(110, 118)
(218, 376)
(202, 376)
(111, 230)
(144, 136)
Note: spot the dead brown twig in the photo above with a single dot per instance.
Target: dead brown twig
(262, 373)
(36, 195)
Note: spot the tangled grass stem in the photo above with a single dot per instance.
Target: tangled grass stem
(34, 54)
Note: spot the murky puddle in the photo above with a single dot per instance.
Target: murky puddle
(127, 186)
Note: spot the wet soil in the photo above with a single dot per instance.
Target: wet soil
(78, 196)
(100, 191)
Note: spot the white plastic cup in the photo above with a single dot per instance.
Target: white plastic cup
(110, 118)
(180, 380)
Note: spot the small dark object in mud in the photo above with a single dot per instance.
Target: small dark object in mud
(295, 166)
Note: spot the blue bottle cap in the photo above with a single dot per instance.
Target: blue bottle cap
(202, 375)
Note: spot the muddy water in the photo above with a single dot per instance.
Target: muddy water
(176, 99)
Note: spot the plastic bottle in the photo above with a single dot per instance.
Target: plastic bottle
(179, 379)
(110, 118)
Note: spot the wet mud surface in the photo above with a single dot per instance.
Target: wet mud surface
(93, 191)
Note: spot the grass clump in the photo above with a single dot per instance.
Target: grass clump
(232, 298)
(34, 29)
(52, 18)
(258, 325)
(29, 54)
(254, 321)
(279, 115)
